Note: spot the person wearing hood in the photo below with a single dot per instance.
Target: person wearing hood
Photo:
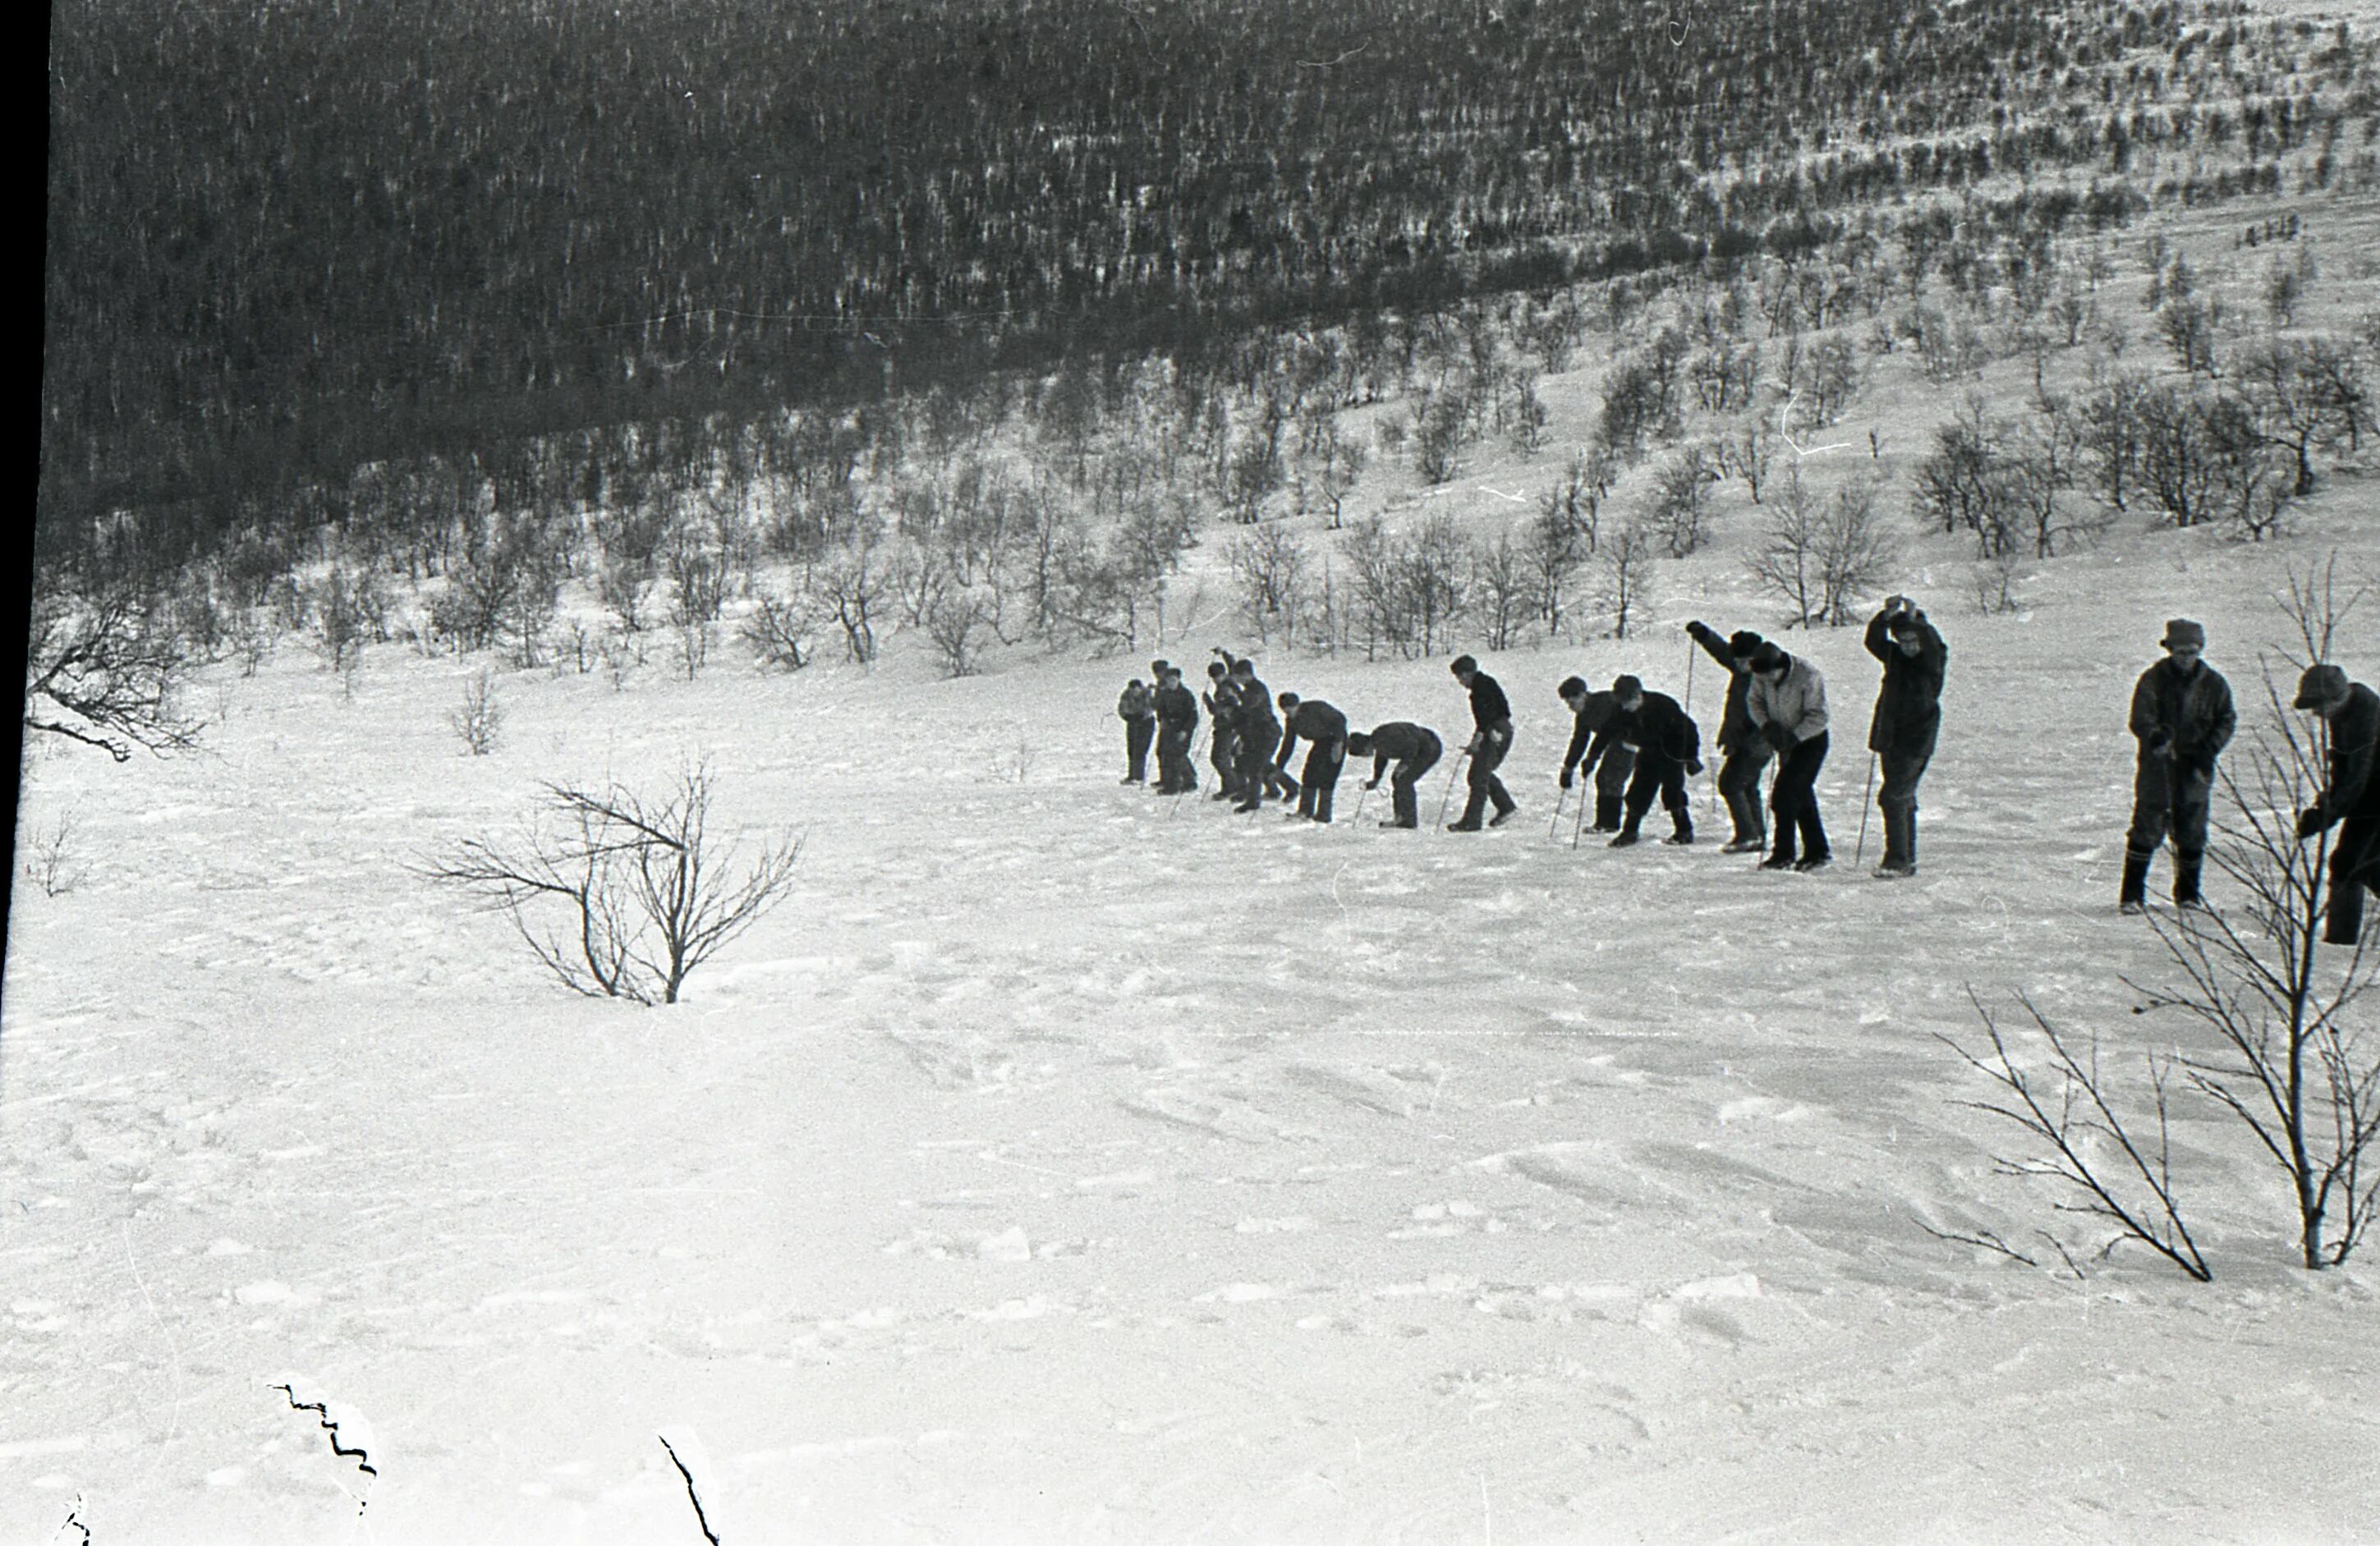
(2350, 798)
(1908, 717)
(1745, 753)
(1787, 702)
(1590, 711)
(2182, 718)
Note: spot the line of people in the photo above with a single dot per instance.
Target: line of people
(1638, 745)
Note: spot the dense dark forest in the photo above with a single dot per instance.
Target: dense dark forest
(290, 238)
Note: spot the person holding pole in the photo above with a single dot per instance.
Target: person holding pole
(2182, 718)
(1258, 733)
(2350, 799)
(1908, 716)
(1744, 752)
(1223, 747)
(1137, 709)
(1326, 730)
(1491, 738)
(1590, 711)
(1415, 750)
(1177, 721)
(1668, 746)
(1788, 703)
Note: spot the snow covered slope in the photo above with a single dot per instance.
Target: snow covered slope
(1063, 1165)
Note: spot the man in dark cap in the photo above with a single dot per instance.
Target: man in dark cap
(1788, 704)
(1667, 746)
(2182, 719)
(1325, 731)
(2350, 799)
(1746, 750)
(1415, 751)
(1491, 738)
(1177, 721)
(1908, 716)
(1139, 712)
(1258, 733)
(1590, 712)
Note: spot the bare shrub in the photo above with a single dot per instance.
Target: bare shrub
(479, 717)
(619, 894)
(50, 849)
(102, 669)
(778, 630)
(1624, 574)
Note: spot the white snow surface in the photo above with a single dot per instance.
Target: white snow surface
(1060, 1163)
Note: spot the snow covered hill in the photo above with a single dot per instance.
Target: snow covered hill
(1063, 1164)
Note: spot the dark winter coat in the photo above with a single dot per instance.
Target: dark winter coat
(1176, 709)
(1222, 699)
(1135, 704)
(1909, 704)
(2354, 788)
(1735, 726)
(1490, 710)
(1658, 725)
(1399, 739)
(1595, 711)
(1314, 719)
(1252, 703)
(2189, 719)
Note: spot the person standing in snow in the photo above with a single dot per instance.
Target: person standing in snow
(1743, 750)
(1258, 733)
(1590, 711)
(1137, 709)
(1908, 716)
(1668, 746)
(1325, 729)
(1222, 718)
(2350, 799)
(1415, 750)
(1177, 721)
(1787, 702)
(1491, 739)
(2182, 718)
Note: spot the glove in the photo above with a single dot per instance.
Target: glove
(1693, 768)
(1371, 783)
(2159, 743)
(2309, 821)
(1565, 778)
(1779, 738)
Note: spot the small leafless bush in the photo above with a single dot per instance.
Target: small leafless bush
(479, 717)
(51, 848)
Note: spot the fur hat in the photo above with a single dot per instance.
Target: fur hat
(1743, 643)
(1768, 657)
(2319, 687)
(1464, 665)
(1572, 687)
(2182, 634)
(1625, 687)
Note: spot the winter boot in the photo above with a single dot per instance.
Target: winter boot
(2186, 867)
(1899, 862)
(2133, 899)
(1681, 827)
(1628, 835)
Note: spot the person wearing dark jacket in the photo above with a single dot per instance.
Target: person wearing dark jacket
(1223, 746)
(2182, 718)
(1177, 721)
(1589, 712)
(1325, 731)
(1139, 712)
(1669, 745)
(1908, 716)
(1788, 704)
(2350, 799)
(1744, 750)
(1491, 739)
(1257, 732)
(1415, 751)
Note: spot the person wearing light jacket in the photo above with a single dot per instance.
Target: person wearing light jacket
(1786, 701)
(2350, 799)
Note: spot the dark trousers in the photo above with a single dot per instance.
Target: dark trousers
(1320, 778)
(1793, 801)
(1611, 784)
(1485, 785)
(1254, 761)
(2354, 869)
(2169, 800)
(1224, 756)
(1739, 785)
(1897, 799)
(1138, 735)
(1174, 770)
(1660, 773)
(1407, 774)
